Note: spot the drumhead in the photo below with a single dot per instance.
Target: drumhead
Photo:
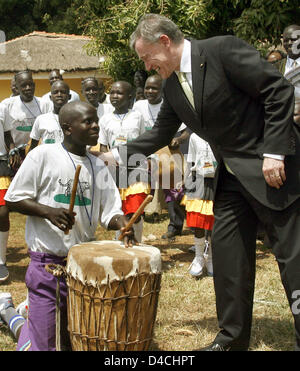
(100, 262)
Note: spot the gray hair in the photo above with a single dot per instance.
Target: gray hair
(152, 26)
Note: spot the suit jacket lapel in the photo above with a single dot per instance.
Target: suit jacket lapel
(198, 74)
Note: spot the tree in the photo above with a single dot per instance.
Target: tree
(260, 22)
(20, 17)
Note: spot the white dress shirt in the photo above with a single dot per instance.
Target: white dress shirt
(290, 64)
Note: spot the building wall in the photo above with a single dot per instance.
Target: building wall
(4, 89)
(42, 85)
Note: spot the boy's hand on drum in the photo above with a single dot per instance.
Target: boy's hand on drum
(129, 238)
(120, 222)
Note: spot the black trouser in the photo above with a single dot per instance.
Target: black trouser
(176, 215)
(233, 247)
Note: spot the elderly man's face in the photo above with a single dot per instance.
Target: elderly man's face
(157, 56)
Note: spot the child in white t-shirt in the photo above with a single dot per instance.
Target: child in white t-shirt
(118, 128)
(41, 189)
(198, 201)
(22, 110)
(150, 107)
(46, 127)
(56, 75)
(91, 90)
(8, 160)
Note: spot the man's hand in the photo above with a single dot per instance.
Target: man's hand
(273, 171)
(107, 158)
(175, 142)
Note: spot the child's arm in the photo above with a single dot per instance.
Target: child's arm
(14, 158)
(59, 217)
(33, 144)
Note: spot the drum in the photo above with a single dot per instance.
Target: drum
(112, 295)
(170, 168)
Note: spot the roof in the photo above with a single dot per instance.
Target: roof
(43, 52)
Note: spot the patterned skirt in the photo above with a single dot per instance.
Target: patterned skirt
(199, 212)
(4, 184)
(133, 196)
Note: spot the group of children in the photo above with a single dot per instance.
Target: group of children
(41, 186)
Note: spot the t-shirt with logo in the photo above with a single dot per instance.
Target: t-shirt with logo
(47, 176)
(149, 111)
(118, 130)
(21, 116)
(47, 128)
(4, 126)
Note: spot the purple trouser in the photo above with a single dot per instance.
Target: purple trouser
(39, 331)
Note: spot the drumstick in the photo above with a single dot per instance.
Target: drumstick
(73, 194)
(134, 217)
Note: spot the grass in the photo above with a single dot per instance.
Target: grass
(186, 318)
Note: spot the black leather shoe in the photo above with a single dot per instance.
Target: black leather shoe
(215, 347)
(170, 235)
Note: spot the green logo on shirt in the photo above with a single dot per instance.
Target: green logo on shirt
(65, 197)
(24, 128)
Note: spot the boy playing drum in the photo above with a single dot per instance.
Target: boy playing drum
(41, 190)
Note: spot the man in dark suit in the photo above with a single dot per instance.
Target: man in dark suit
(291, 44)
(244, 108)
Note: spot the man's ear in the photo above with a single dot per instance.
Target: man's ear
(165, 40)
(66, 128)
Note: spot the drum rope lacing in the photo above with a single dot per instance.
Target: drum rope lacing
(104, 341)
(57, 271)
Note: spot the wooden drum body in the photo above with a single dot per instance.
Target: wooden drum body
(112, 295)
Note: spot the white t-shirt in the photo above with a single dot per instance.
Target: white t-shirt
(104, 108)
(4, 126)
(46, 176)
(149, 111)
(49, 104)
(6, 100)
(21, 116)
(47, 128)
(199, 153)
(118, 130)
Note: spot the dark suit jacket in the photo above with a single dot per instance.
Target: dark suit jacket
(244, 108)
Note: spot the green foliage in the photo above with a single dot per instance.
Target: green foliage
(260, 22)
(19, 17)
(265, 20)
(111, 22)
